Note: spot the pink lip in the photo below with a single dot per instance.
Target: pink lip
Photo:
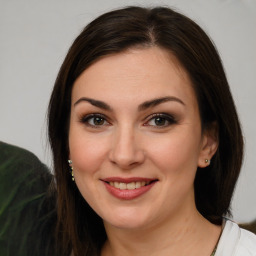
(128, 194)
(126, 180)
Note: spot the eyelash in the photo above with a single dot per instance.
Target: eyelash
(85, 120)
(165, 117)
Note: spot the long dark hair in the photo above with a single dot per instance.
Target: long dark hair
(79, 227)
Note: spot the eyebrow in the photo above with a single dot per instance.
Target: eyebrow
(158, 101)
(145, 105)
(96, 103)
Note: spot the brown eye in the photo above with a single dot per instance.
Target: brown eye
(98, 121)
(95, 120)
(160, 120)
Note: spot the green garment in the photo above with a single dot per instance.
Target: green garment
(27, 209)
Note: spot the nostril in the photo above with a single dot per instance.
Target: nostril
(126, 154)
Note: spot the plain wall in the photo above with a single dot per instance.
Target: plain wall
(35, 36)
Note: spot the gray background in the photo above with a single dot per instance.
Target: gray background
(35, 36)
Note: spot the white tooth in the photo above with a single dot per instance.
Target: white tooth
(116, 184)
(138, 184)
(122, 186)
(131, 185)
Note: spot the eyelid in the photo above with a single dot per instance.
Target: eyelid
(85, 118)
(169, 118)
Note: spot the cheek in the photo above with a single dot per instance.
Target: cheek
(86, 152)
(87, 155)
(178, 152)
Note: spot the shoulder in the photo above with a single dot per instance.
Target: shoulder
(22, 173)
(26, 206)
(14, 156)
(236, 241)
(247, 243)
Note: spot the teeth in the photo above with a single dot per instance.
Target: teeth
(138, 184)
(129, 186)
(122, 186)
(116, 184)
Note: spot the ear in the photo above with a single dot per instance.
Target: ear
(209, 146)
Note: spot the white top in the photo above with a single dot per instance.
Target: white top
(236, 241)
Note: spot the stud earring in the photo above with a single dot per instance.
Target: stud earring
(71, 167)
(207, 161)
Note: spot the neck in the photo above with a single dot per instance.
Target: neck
(192, 235)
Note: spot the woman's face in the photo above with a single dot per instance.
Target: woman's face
(135, 138)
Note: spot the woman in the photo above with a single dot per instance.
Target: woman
(142, 116)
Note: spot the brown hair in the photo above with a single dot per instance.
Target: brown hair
(79, 227)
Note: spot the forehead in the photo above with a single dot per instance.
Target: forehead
(135, 73)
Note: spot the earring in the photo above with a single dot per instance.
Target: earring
(207, 161)
(71, 167)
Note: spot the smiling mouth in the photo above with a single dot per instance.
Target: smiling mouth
(130, 185)
(128, 188)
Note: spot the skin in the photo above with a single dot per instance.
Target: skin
(128, 141)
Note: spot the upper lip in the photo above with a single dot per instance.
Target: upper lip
(127, 180)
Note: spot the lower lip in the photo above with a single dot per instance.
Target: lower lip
(128, 194)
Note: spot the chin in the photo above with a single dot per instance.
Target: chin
(128, 224)
(130, 219)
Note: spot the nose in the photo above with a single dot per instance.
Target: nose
(126, 151)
